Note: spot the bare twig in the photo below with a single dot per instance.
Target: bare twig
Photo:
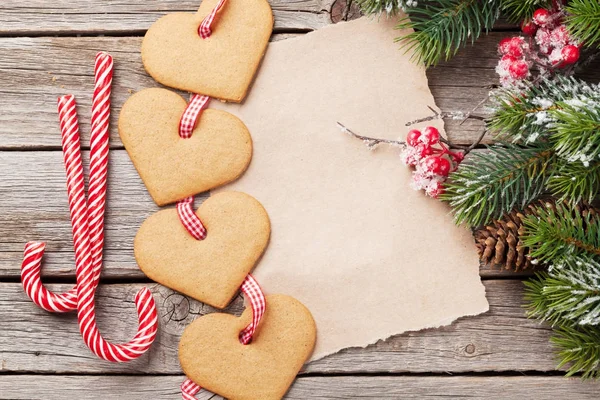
(470, 113)
(476, 142)
(369, 141)
(452, 115)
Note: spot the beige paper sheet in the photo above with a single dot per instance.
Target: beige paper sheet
(369, 256)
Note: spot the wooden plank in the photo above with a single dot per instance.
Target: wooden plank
(33, 206)
(48, 387)
(51, 66)
(34, 341)
(38, 17)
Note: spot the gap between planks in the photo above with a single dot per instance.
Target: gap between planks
(49, 387)
(484, 343)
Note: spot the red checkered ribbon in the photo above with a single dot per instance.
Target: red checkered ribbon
(87, 220)
(256, 297)
(204, 30)
(189, 390)
(189, 219)
(190, 116)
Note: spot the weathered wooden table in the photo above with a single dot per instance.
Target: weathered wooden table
(46, 50)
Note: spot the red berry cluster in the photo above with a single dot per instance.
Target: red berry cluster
(548, 47)
(431, 158)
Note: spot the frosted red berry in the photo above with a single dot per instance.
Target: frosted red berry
(570, 54)
(519, 70)
(529, 27)
(458, 156)
(424, 150)
(515, 47)
(504, 45)
(413, 136)
(434, 189)
(542, 17)
(437, 165)
(430, 135)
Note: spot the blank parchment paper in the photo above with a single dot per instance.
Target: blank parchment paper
(368, 255)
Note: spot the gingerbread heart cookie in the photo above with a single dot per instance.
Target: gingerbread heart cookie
(212, 356)
(174, 168)
(209, 270)
(222, 65)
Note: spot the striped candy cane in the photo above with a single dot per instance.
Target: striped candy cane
(31, 267)
(87, 223)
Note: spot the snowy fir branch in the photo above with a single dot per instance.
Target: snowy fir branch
(532, 113)
(388, 7)
(579, 349)
(583, 21)
(442, 27)
(519, 10)
(495, 182)
(576, 182)
(568, 293)
(558, 233)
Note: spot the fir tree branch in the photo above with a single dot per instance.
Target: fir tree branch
(569, 292)
(558, 233)
(441, 28)
(583, 21)
(497, 181)
(519, 10)
(576, 134)
(575, 182)
(389, 7)
(531, 114)
(579, 347)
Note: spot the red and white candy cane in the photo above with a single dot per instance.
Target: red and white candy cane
(31, 267)
(87, 222)
(250, 287)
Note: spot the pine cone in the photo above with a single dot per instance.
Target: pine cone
(500, 244)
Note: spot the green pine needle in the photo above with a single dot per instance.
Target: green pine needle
(564, 111)
(497, 181)
(441, 28)
(376, 7)
(569, 292)
(576, 134)
(575, 182)
(557, 234)
(519, 10)
(583, 21)
(579, 347)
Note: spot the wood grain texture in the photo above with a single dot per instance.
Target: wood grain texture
(33, 206)
(132, 16)
(36, 71)
(49, 387)
(33, 341)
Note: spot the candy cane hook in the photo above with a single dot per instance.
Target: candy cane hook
(88, 232)
(34, 251)
(84, 255)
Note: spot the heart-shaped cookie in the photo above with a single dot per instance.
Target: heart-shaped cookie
(211, 354)
(220, 66)
(174, 168)
(210, 270)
